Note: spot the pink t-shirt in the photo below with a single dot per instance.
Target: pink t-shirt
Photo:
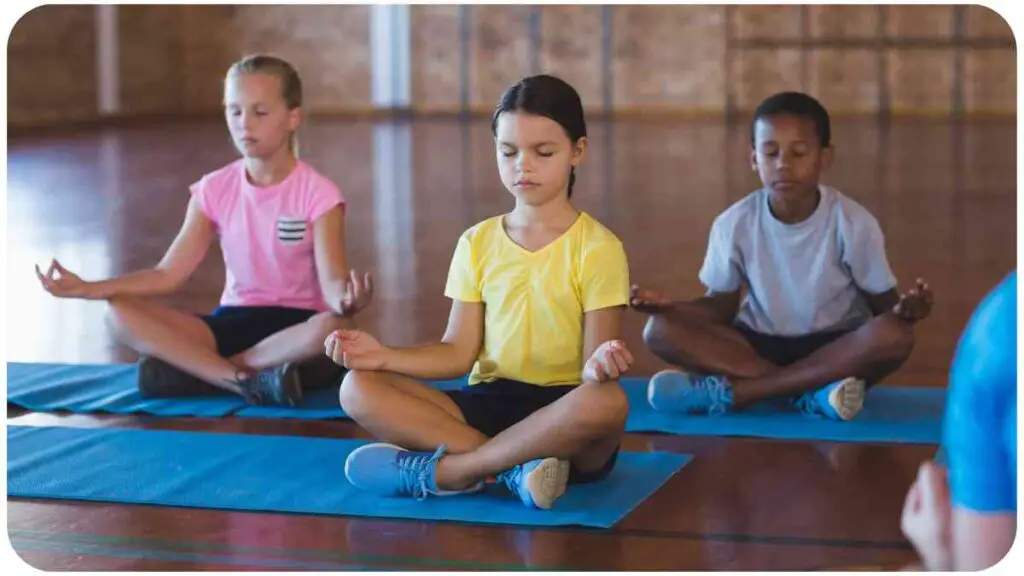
(266, 234)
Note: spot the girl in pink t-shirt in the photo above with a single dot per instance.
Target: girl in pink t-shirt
(281, 229)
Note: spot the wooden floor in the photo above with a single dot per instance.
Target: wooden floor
(109, 202)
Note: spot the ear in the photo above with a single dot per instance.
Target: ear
(579, 151)
(753, 159)
(828, 155)
(295, 117)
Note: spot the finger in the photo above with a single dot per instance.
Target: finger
(347, 335)
(357, 287)
(620, 347)
(619, 359)
(51, 270)
(329, 347)
(898, 308)
(611, 371)
(367, 284)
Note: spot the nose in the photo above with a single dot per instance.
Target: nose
(783, 161)
(522, 163)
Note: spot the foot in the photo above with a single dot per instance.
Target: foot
(274, 386)
(389, 470)
(840, 400)
(159, 379)
(538, 483)
(677, 391)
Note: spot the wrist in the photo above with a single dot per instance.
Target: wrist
(95, 291)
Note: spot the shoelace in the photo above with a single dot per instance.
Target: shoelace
(714, 394)
(414, 472)
(806, 404)
(511, 477)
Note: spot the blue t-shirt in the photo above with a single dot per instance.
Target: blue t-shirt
(980, 431)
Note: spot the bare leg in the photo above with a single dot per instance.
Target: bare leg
(694, 341)
(870, 353)
(295, 343)
(584, 427)
(407, 413)
(175, 337)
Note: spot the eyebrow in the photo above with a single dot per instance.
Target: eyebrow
(536, 145)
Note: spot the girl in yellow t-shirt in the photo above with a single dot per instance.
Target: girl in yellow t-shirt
(537, 296)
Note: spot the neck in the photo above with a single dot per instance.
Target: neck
(271, 170)
(793, 210)
(553, 214)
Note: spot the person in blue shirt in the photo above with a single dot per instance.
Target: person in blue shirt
(963, 516)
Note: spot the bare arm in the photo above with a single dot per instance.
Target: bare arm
(980, 540)
(450, 358)
(329, 251)
(600, 326)
(179, 262)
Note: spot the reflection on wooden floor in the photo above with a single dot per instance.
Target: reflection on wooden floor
(109, 202)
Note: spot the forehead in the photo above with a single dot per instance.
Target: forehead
(785, 127)
(252, 86)
(523, 129)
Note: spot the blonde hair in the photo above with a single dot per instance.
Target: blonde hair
(291, 85)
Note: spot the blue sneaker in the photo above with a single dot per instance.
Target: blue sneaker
(538, 483)
(677, 391)
(840, 400)
(389, 470)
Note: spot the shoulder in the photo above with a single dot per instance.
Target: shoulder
(739, 215)
(850, 212)
(986, 355)
(315, 182)
(221, 178)
(482, 233)
(593, 233)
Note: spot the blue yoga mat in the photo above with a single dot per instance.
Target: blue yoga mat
(91, 388)
(891, 413)
(283, 474)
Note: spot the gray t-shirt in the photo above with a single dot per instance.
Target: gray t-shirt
(802, 278)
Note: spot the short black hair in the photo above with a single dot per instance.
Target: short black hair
(795, 104)
(549, 96)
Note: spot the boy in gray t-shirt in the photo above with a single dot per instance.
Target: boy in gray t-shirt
(821, 319)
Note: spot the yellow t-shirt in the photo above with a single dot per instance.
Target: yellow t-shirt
(534, 302)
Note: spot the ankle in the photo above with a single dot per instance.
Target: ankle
(448, 476)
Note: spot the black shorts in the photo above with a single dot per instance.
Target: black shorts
(238, 328)
(492, 407)
(785, 350)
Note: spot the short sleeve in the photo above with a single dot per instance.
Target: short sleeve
(980, 430)
(864, 255)
(463, 274)
(202, 193)
(720, 271)
(323, 196)
(604, 277)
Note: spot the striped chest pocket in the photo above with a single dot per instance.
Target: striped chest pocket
(291, 230)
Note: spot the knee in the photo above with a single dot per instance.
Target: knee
(357, 391)
(117, 314)
(656, 334)
(603, 407)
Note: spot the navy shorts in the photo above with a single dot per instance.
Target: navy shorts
(492, 407)
(238, 328)
(785, 350)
